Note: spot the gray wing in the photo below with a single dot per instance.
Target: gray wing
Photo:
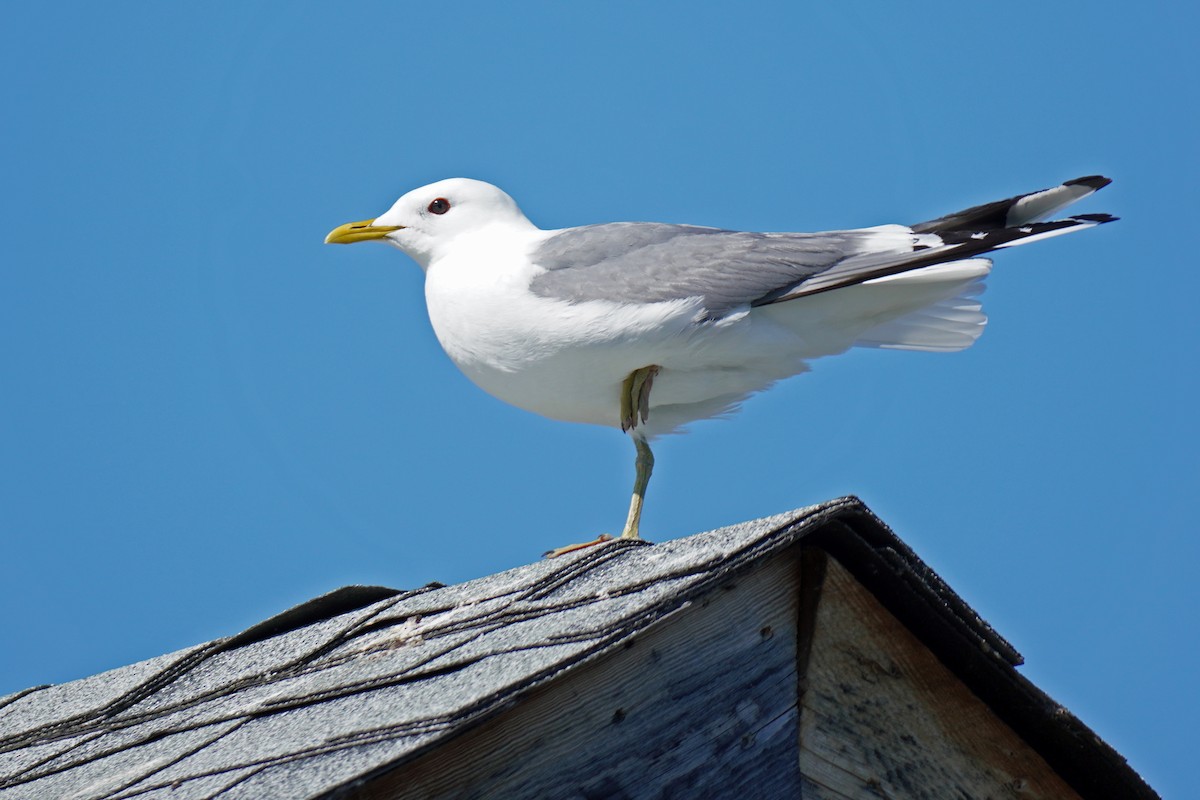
(648, 262)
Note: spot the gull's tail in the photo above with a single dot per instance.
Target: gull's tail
(927, 298)
(962, 235)
(1020, 210)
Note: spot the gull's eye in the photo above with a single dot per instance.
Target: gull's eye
(439, 206)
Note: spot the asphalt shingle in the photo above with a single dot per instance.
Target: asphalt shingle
(366, 678)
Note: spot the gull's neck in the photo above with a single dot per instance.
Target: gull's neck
(496, 238)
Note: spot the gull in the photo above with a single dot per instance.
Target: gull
(647, 326)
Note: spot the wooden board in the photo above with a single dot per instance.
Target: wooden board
(881, 717)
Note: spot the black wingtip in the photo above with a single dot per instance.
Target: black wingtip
(1093, 182)
(1099, 219)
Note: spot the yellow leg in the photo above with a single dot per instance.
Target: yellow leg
(644, 466)
(635, 408)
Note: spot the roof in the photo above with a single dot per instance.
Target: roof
(360, 681)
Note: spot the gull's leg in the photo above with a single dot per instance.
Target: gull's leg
(635, 408)
(644, 465)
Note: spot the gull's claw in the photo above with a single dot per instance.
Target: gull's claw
(571, 548)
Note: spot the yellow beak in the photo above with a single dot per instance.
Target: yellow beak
(359, 232)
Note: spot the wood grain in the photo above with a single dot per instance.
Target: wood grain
(883, 718)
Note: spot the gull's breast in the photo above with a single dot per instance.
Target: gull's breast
(562, 360)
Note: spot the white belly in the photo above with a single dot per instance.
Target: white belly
(567, 361)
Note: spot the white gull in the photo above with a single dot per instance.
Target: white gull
(647, 326)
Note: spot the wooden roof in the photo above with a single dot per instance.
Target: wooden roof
(341, 691)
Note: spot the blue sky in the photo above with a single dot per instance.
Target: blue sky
(208, 416)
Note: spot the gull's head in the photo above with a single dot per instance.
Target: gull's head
(426, 221)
